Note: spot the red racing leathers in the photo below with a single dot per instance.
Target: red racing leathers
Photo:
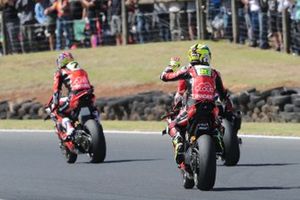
(76, 81)
(200, 84)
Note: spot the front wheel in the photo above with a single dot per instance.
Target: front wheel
(231, 144)
(98, 144)
(206, 172)
(69, 155)
(188, 180)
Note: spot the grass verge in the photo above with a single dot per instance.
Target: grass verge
(280, 129)
(134, 65)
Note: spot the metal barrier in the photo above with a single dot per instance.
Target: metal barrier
(208, 21)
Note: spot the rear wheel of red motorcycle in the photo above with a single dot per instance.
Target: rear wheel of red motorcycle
(231, 143)
(206, 174)
(98, 147)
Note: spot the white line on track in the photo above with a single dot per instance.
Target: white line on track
(144, 133)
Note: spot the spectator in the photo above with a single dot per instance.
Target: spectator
(51, 24)
(27, 21)
(12, 25)
(248, 20)
(242, 22)
(275, 24)
(191, 15)
(115, 20)
(296, 28)
(144, 22)
(62, 7)
(213, 9)
(162, 19)
(175, 20)
(131, 6)
(45, 20)
(254, 9)
(93, 9)
(39, 9)
(263, 25)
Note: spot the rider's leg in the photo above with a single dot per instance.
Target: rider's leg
(67, 124)
(175, 127)
(64, 111)
(177, 139)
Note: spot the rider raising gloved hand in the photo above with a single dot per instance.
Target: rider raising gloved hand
(202, 84)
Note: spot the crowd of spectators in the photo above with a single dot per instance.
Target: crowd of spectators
(260, 22)
(34, 25)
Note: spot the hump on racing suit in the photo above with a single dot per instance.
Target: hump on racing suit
(203, 83)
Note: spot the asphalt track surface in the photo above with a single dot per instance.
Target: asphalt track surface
(141, 167)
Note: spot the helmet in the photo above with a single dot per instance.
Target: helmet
(63, 59)
(199, 54)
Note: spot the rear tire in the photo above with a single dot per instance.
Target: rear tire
(98, 144)
(231, 145)
(206, 175)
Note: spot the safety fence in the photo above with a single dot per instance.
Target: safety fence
(195, 19)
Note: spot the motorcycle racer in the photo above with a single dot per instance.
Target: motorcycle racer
(76, 81)
(201, 83)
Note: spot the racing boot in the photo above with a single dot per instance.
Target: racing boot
(178, 148)
(66, 122)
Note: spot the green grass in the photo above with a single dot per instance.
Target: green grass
(288, 129)
(241, 66)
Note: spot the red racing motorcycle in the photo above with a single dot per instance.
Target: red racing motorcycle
(88, 138)
(205, 140)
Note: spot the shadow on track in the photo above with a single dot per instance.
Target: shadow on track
(254, 188)
(131, 160)
(265, 164)
(123, 161)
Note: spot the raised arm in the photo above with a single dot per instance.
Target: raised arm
(169, 75)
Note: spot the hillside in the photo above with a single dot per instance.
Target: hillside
(116, 71)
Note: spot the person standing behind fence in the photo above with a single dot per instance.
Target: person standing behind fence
(63, 23)
(175, 20)
(254, 10)
(27, 21)
(131, 6)
(43, 19)
(263, 25)
(162, 19)
(115, 20)
(191, 15)
(242, 22)
(12, 25)
(93, 9)
(296, 28)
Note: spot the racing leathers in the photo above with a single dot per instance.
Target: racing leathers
(200, 84)
(77, 83)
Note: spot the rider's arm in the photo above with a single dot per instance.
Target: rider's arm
(181, 87)
(57, 85)
(223, 93)
(169, 75)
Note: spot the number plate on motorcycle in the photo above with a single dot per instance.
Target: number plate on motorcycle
(203, 126)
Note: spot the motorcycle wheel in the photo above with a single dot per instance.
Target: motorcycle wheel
(98, 144)
(231, 144)
(70, 156)
(206, 172)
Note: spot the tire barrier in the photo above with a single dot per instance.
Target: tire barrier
(274, 105)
